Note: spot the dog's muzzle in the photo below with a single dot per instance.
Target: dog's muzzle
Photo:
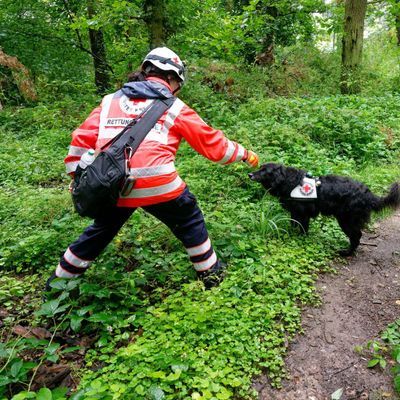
(251, 176)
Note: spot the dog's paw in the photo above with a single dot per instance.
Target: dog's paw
(346, 252)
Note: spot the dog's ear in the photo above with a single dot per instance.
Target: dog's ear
(279, 176)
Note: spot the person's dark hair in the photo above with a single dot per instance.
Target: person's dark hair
(137, 76)
(150, 71)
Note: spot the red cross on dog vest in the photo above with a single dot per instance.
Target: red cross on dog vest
(306, 190)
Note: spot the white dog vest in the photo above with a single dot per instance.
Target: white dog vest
(306, 190)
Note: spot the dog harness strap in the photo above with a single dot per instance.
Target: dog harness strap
(307, 190)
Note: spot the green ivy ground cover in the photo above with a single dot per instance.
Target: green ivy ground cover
(161, 336)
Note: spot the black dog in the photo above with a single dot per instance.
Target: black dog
(351, 202)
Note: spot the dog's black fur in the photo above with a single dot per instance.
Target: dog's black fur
(351, 202)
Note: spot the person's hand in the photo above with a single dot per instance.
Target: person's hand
(251, 159)
(70, 186)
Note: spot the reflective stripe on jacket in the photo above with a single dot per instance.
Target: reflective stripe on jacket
(153, 163)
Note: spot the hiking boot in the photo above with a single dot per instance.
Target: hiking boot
(213, 276)
(47, 287)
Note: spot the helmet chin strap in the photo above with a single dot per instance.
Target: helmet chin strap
(169, 79)
(178, 88)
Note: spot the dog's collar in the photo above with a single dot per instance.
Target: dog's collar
(307, 189)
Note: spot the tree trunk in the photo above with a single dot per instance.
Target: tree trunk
(20, 74)
(397, 19)
(352, 45)
(98, 50)
(266, 56)
(154, 17)
(398, 29)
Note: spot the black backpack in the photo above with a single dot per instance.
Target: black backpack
(96, 189)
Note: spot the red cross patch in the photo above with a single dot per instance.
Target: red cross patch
(306, 189)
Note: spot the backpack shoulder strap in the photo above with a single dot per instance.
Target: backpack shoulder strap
(157, 108)
(147, 121)
(142, 125)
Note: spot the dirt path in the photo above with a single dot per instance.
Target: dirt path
(357, 304)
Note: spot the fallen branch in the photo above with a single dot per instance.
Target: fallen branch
(20, 74)
(341, 370)
(368, 244)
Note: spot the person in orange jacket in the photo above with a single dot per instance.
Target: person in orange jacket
(158, 188)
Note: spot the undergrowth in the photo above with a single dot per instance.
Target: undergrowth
(155, 332)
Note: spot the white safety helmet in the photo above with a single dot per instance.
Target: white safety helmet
(166, 60)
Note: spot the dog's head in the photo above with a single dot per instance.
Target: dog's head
(270, 175)
(277, 179)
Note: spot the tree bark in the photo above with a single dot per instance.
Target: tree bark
(398, 29)
(154, 18)
(266, 56)
(397, 20)
(352, 45)
(98, 50)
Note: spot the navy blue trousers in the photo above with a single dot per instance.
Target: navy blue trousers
(182, 215)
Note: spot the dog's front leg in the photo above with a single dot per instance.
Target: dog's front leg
(301, 221)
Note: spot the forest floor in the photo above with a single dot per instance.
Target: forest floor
(357, 304)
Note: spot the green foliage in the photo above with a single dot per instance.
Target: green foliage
(157, 333)
(42, 394)
(278, 22)
(380, 67)
(190, 340)
(388, 347)
(15, 370)
(105, 306)
(392, 337)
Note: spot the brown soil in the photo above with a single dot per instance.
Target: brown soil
(357, 305)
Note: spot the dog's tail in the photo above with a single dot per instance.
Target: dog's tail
(391, 200)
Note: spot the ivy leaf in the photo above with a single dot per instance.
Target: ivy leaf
(4, 381)
(76, 322)
(397, 383)
(52, 348)
(52, 358)
(396, 354)
(44, 394)
(24, 396)
(102, 317)
(52, 307)
(59, 284)
(180, 367)
(59, 393)
(16, 368)
(84, 310)
(373, 362)
(156, 393)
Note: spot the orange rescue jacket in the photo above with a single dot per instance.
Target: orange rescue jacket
(153, 162)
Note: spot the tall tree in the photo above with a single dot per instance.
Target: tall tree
(352, 45)
(397, 21)
(266, 56)
(269, 23)
(98, 50)
(155, 20)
